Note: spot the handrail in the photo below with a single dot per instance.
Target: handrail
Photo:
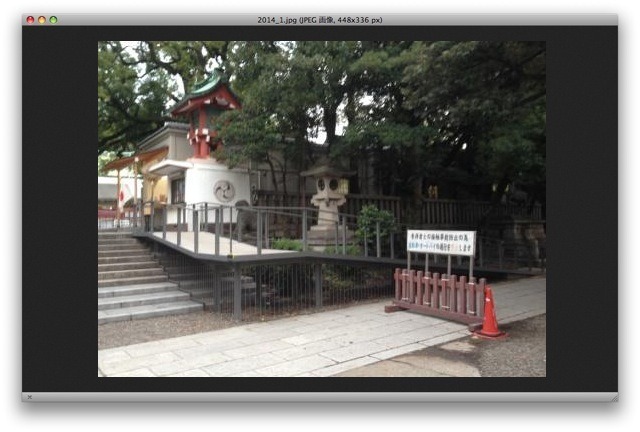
(224, 219)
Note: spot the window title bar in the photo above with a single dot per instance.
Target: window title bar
(320, 19)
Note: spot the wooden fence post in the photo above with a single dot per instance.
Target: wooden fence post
(427, 288)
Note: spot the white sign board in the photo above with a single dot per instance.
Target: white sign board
(442, 242)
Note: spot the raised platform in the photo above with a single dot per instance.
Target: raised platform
(207, 244)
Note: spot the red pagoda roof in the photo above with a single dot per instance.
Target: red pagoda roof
(213, 91)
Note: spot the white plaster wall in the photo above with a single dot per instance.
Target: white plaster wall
(130, 181)
(181, 148)
(200, 180)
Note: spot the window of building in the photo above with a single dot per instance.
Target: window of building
(177, 191)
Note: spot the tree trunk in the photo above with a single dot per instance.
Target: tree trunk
(274, 179)
(330, 118)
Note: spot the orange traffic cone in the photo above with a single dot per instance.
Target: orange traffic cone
(490, 323)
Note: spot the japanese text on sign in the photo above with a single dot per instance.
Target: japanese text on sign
(442, 242)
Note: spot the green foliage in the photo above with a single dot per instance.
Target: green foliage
(139, 81)
(488, 102)
(337, 278)
(469, 116)
(368, 219)
(103, 159)
(286, 244)
(351, 249)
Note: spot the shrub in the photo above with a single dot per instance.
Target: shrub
(367, 219)
(287, 244)
(351, 249)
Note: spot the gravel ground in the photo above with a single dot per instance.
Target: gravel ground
(122, 333)
(115, 334)
(521, 354)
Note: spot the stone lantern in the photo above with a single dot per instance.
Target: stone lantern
(332, 187)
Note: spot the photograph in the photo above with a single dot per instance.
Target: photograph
(322, 208)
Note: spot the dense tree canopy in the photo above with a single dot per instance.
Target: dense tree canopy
(467, 116)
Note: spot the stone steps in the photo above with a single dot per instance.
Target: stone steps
(132, 280)
(117, 247)
(132, 285)
(148, 311)
(125, 259)
(120, 302)
(120, 253)
(119, 266)
(135, 290)
(131, 273)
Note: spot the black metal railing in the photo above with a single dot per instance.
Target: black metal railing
(223, 231)
(259, 290)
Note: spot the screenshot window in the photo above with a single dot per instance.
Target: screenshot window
(320, 207)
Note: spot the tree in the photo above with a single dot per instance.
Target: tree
(469, 116)
(487, 100)
(269, 123)
(138, 82)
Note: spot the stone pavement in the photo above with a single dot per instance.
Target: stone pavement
(313, 345)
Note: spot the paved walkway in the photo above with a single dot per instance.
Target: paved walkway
(314, 345)
(207, 244)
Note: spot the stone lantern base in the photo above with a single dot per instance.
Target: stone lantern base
(319, 237)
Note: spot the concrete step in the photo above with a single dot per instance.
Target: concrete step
(148, 311)
(111, 267)
(117, 240)
(119, 302)
(132, 281)
(121, 252)
(116, 247)
(125, 259)
(136, 289)
(125, 274)
(113, 235)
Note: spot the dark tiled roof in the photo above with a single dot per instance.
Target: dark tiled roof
(209, 85)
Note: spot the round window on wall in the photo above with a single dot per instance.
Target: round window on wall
(333, 184)
(320, 185)
(224, 191)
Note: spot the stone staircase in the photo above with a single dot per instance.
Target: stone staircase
(202, 282)
(132, 285)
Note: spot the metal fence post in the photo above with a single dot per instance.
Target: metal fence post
(230, 231)
(152, 217)
(259, 233)
(206, 216)
(317, 276)
(164, 222)
(239, 224)
(237, 294)
(378, 239)
(344, 235)
(217, 293)
(392, 241)
(179, 223)
(196, 228)
(366, 243)
(218, 231)
(304, 229)
(266, 230)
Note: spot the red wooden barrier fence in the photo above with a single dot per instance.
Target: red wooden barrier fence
(434, 294)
